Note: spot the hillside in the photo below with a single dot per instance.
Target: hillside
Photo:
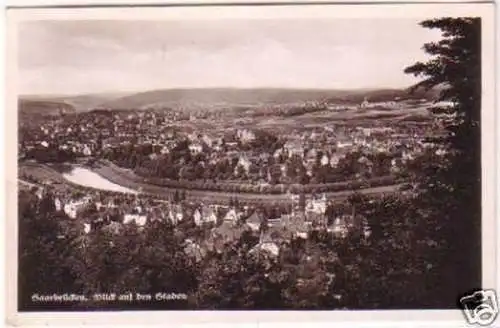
(219, 98)
(43, 107)
(222, 97)
(386, 95)
(88, 102)
(84, 102)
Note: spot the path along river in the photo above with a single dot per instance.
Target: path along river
(87, 178)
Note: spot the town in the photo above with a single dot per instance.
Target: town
(300, 172)
(250, 163)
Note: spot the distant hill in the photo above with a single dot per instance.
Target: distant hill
(80, 103)
(43, 108)
(215, 96)
(220, 97)
(387, 95)
(89, 102)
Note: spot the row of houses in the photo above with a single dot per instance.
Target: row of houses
(227, 220)
(271, 238)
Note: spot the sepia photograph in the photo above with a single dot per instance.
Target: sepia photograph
(253, 162)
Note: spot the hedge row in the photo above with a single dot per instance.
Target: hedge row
(254, 189)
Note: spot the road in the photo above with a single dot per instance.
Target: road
(225, 197)
(27, 184)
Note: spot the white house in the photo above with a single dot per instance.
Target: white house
(364, 160)
(58, 204)
(244, 162)
(325, 160)
(340, 227)
(334, 160)
(175, 214)
(39, 193)
(440, 152)
(205, 215)
(344, 144)
(71, 209)
(267, 247)
(254, 221)
(395, 163)
(311, 156)
(294, 148)
(206, 139)
(444, 104)
(113, 227)
(301, 234)
(209, 214)
(314, 135)
(86, 228)
(245, 135)
(196, 148)
(231, 215)
(197, 217)
(317, 206)
(193, 136)
(140, 220)
(86, 150)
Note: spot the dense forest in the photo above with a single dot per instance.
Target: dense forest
(321, 272)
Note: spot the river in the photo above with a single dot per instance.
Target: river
(87, 178)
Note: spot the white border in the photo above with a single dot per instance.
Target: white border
(33, 3)
(425, 318)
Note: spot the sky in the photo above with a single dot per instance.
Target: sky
(77, 57)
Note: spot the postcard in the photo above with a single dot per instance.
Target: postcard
(188, 164)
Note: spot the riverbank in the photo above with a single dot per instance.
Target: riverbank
(87, 178)
(124, 179)
(110, 177)
(244, 187)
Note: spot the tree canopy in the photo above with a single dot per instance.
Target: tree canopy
(451, 186)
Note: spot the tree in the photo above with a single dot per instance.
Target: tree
(46, 252)
(394, 262)
(450, 188)
(237, 279)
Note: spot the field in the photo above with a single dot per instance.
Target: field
(352, 117)
(282, 124)
(39, 172)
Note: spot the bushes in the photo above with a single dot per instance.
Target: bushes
(232, 187)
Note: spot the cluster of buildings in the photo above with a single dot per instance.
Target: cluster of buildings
(93, 134)
(221, 224)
